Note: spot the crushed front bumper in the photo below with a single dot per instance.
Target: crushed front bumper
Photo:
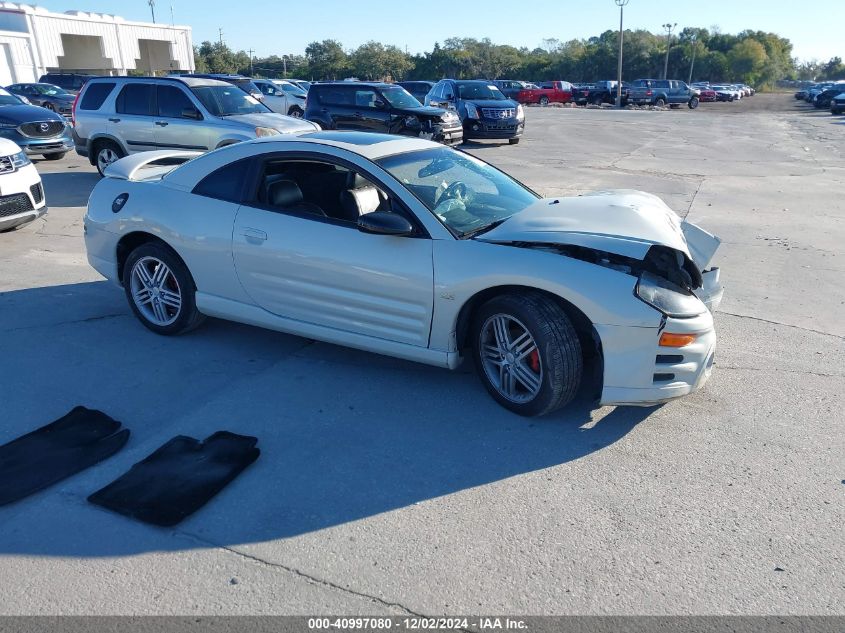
(639, 372)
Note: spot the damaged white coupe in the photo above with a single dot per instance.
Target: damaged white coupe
(411, 249)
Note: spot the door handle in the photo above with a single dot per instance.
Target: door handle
(162, 123)
(115, 120)
(254, 235)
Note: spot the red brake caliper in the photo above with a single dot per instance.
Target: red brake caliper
(534, 361)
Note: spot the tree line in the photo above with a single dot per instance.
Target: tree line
(754, 57)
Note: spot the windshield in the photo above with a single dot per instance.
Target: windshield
(7, 98)
(400, 98)
(50, 90)
(292, 89)
(228, 100)
(480, 91)
(466, 194)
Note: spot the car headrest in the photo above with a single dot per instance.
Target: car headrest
(284, 193)
(354, 180)
(360, 201)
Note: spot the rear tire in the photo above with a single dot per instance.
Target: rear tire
(527, 353)
(49, 106)
(660, 102)
(544, 101)
(160, 290)
(693, 103)
(598, 101)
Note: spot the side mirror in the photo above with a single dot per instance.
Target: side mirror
(385, 223)
(191, 113)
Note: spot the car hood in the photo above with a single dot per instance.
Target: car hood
(280, 122)
(25, 113)
(491, 103)
(624, 222)
(422, 110)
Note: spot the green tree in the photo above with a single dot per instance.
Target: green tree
(326, 60)
(747, 59)
(374, 60)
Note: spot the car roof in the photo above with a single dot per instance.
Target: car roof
(188, 81)
(369, 84)
(370, 145)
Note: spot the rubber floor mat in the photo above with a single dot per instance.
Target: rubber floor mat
(54, 452)
(178, 478)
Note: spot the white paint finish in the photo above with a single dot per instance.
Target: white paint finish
(336, 276)
(130, 167)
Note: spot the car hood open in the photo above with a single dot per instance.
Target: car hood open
(623, 222)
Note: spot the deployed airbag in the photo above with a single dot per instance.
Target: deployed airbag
(178, 478)
(54, 452)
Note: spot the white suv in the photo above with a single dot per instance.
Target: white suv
(22, 198)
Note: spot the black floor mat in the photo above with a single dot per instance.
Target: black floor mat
(178, 478)
(63, 448)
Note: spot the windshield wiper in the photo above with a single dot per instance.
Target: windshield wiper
(483, 229)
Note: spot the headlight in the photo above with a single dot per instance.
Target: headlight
(472, 111)
(20, 160)
(266, 131)
(668, 298)
(520, 112)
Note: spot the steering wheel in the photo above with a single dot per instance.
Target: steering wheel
(456, 191)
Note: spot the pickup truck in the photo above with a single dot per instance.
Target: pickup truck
(548, 92)
(598, 93)
(662, 92)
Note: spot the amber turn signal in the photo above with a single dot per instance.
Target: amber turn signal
(667, 339)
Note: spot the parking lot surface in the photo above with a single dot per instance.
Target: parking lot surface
(390, 487)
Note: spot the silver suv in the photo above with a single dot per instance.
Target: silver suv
(116, 116)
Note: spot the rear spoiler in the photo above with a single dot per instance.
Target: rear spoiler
(127, 168)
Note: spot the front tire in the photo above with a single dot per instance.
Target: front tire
(49, 106)
(296, 112)
(160, 290)
(527, 353)
(513, 141)
(544, 101)
(693, 103)
(56, 156)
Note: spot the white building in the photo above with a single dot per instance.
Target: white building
(34, 41)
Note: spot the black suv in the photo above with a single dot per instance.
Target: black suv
(72, 82)
(380, 107)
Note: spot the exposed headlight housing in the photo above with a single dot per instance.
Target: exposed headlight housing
(472, 111)
(668, 298)
(412, 121)
(266, 131)
(20, 160)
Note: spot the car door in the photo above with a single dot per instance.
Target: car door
(372, 110)
(132, 122)
(176, 125)
(274, 98)
(318, 270)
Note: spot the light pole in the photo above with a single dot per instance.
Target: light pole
(152, 4)
(621, 4)
(694, 40)
(668, 28)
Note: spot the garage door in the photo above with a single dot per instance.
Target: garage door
(6, 75)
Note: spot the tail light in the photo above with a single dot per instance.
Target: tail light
(73, 109)
(649, 93)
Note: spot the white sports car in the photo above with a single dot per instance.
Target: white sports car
(407, 248)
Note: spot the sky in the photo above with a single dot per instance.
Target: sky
(287, 26)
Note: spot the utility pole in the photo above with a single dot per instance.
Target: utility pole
(284, 66)
(220, 31)
(152, 4)
(621, 4)
(668, 28)
(250, 62)
(694, 40)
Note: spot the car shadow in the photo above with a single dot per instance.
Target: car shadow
(68, 188)
(345, 435)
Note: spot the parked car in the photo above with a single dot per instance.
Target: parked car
(116, 116)
(36, 130)
(512, 87)
(302, 83)
(726, 93)
(484, 111)
(598, 93)
(545, 93)
(707, 95)
(380, 107)
(282, 96)
(244, 83)
(824, 98)
(45, 95)
(837, 104)
(662, 92)
(410, 249)
(21, 192)
(72, 82)
(419, 89)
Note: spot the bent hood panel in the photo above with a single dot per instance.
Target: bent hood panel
(626, 223)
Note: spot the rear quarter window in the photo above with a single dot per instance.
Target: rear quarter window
(96, 95)
(225, 183)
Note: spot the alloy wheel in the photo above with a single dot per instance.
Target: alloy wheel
(511, 358)
(106, 157)
(156, 291)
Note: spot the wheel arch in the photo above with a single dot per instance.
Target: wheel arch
(588, 336)
(133, 240)
(94, 141)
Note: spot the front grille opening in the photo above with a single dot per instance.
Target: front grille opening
(669, 359)
(14, 204)
(664, 377)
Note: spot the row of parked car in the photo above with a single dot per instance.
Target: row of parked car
(830, 94)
